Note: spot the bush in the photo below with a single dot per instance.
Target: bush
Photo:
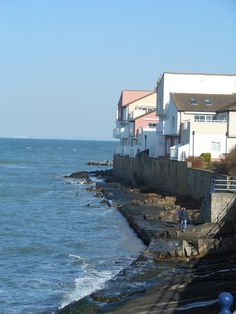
(219, 167)
(197, 162)
(230, 162)
(206, 157)
(226, 166)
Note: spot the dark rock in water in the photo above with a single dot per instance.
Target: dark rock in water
(108, 163)
(79, 175)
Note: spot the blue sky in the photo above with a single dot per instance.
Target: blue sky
(64, 62)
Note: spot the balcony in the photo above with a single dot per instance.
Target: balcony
(121, 132)
(116, 133)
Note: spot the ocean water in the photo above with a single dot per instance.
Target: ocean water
(54, 249)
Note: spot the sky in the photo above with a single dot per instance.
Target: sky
(64, 63)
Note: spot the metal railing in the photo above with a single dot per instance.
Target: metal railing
(223, 185)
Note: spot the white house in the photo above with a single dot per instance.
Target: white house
(199, 123)
(211, 84)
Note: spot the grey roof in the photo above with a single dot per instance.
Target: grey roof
(202, 102)
(230, 107)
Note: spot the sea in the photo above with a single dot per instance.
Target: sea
(54, 248)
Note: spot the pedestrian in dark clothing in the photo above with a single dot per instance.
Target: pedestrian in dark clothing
(183, 218)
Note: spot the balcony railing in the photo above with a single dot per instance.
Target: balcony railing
(200, 119)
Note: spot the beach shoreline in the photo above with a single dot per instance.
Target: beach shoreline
(193, 280)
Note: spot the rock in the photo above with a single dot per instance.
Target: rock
(136, 202)
(155, 200)
(180, 252)
(160, 255)
(186, 248)
(173, 253)
(79, 175)
(151, 216)
(153, 195)
(194, 252)
(188, 251)
(100, 163)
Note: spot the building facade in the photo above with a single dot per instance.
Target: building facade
(135, 122)
(168, 128)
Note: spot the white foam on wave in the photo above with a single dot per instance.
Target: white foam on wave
(77, 257)
(76, 181)
(90, 281)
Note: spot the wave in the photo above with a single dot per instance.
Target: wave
(78, 257)
(89, 281)
(76, 181)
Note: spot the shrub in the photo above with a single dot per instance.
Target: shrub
(230, 162)
(197, 162)
(228, 165)
(219, 167)
(206, 157)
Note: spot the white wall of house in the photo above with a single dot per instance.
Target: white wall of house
(142, 106)
(172, 123)
(193, 83)
(150, 141)
(204, 143)
(190, 83)
(209, 137)
(232, 124)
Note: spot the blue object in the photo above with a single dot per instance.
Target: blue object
(226, 300)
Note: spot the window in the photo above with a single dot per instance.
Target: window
(193, 101)
(207, 102)
(204, 118)
(209, 118)
(199, 118)
(152, 125)
(215, 146)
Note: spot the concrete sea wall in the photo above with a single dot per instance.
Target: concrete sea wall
(163, 174)
(177, 178)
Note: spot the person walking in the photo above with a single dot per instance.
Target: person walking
(183, 218)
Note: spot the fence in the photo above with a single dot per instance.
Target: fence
(223, 185)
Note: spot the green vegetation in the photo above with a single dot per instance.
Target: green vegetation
(206, 157)
(225, 166)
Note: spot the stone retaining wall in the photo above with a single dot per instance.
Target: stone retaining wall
(163, 174)
(173, 177)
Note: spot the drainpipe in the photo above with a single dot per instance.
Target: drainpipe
(193, 134)
(145, 141)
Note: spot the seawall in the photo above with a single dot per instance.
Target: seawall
(164, 175)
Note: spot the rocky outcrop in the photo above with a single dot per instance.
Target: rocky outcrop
(108, 163)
